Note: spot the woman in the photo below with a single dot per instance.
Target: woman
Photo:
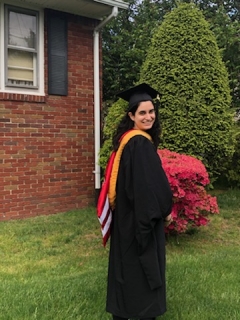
(136, 275)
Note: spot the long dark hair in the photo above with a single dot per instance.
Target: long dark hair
(127, 124)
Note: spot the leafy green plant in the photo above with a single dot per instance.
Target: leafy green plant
(114, 116)
(185, 65)
(233, 173)
(227, 29)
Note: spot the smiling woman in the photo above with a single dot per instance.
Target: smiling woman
(144, 117)
(136, 274)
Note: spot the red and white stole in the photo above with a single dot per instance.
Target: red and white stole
(107, 196)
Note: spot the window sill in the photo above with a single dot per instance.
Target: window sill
(6, 96)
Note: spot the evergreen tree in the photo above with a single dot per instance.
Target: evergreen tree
(125, 43)
(126, 39)
(210, 7)
(227, 35)
(185, 65)
(118, 55)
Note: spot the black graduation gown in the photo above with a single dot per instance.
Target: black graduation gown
(136, 274)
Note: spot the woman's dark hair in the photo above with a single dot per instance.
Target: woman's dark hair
(127, 124)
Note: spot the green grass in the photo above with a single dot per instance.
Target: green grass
(55, 268)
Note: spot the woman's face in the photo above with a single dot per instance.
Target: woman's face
(144, 116)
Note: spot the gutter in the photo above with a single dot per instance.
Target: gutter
(114, 3)
(97, 119)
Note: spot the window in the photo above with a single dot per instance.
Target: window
(21, 55)
(22, 65)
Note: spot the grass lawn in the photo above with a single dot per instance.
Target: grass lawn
(54, 268)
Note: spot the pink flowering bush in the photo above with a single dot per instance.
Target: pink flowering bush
(188, 178)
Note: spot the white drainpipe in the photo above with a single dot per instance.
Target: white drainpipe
(97, 120)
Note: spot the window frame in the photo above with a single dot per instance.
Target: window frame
(35, 89)
(34, 51)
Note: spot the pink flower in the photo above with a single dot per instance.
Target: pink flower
(188, 178)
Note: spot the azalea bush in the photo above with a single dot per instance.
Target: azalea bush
(188, 179)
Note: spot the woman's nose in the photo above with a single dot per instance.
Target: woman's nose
(148, 116)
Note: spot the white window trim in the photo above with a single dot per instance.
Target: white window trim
(17, 90)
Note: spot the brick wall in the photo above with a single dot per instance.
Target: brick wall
(47, 143)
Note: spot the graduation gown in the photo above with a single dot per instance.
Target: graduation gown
(136, 273)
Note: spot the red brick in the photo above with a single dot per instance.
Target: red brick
(47, 142)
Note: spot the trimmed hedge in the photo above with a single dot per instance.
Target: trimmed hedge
(185, 65)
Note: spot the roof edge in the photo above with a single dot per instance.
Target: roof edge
(114, 3)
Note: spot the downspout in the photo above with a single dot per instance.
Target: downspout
(97, 119)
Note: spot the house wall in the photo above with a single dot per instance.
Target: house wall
(47, 143)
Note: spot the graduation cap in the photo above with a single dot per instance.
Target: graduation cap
(142, 92)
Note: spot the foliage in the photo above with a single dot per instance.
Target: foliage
(127, 37)
(227, 35)
(185, 65)
(125, 41)
(113, 118)
(232, 7)
(188, 178)
(233, 173)
(118, 53)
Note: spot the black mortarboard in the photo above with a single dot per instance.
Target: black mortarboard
(142, 92)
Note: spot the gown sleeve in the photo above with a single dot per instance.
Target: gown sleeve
(152, 202)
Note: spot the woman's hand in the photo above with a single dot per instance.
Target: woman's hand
(168, 220)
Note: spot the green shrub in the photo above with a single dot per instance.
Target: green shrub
(114, 116)
(185, 65)
(233, 173)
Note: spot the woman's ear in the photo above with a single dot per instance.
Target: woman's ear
(131, 116)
